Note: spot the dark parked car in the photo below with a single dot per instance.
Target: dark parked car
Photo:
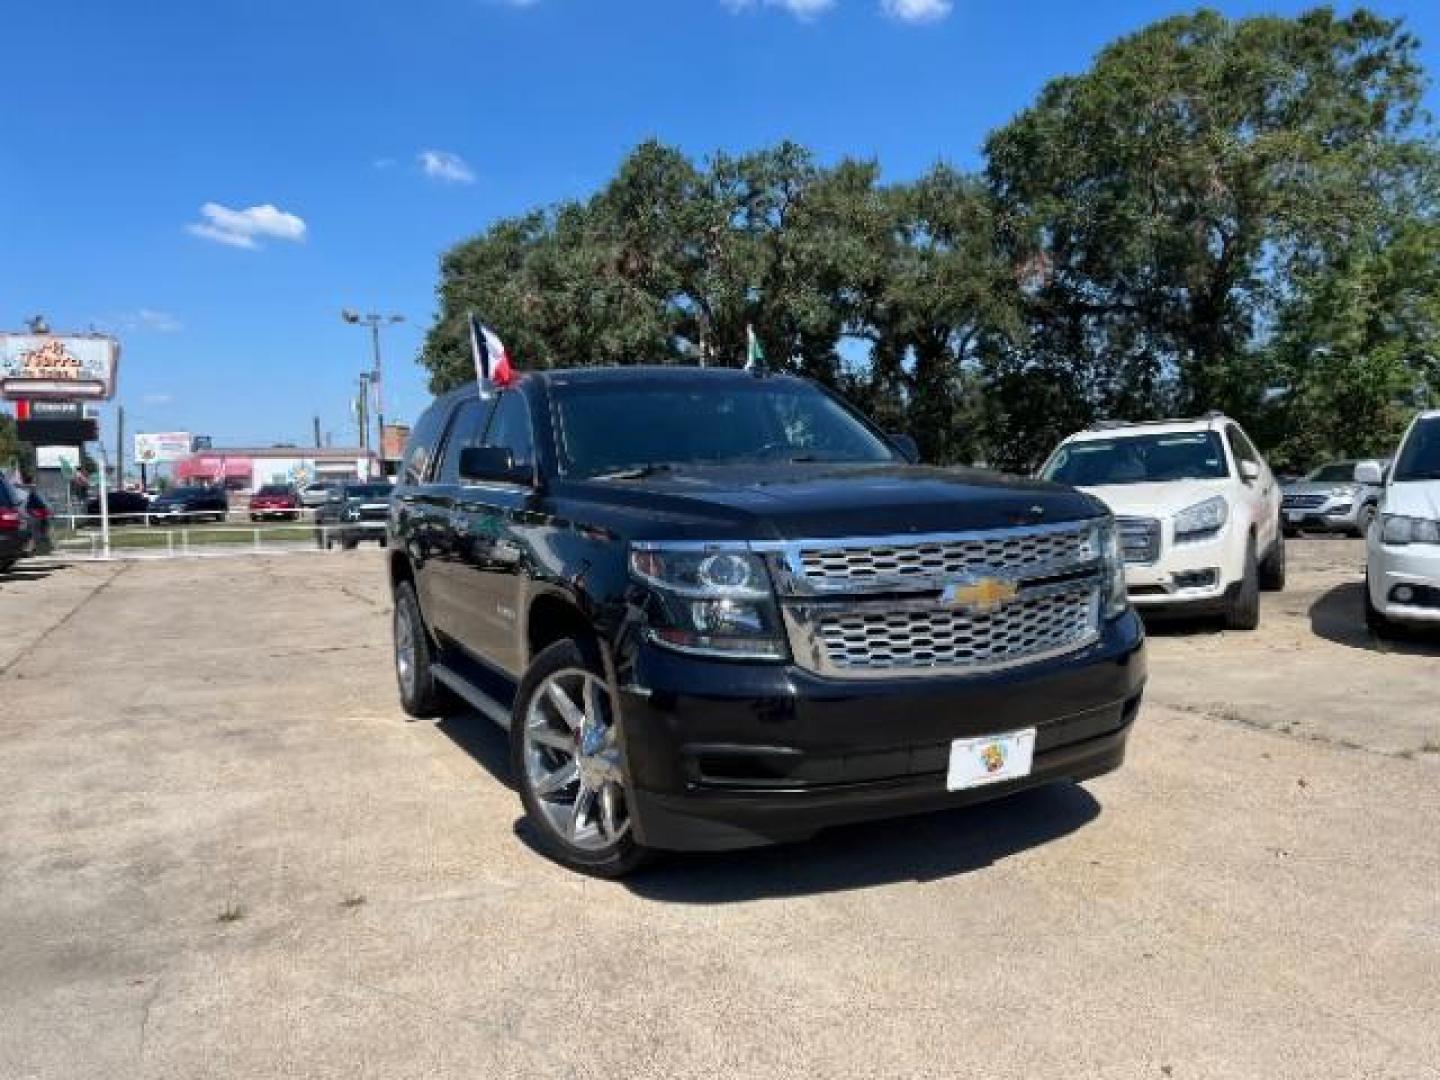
(188, 505)
(126, 508)
(353, 513)
(17, 537)
(717, 610)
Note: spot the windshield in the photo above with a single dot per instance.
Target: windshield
(188, 493)
(368, 491)
(273, 491)
(1420, 456)
(1139, 459)
(606, 428)
(1343, 471)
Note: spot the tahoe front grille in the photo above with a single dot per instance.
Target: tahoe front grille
(933, 605)
(958, 640)
(846, 568)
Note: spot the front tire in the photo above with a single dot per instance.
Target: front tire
(1272, 570)
(1244, 611)
(420, 695)
(1375, 620)
(569, 764)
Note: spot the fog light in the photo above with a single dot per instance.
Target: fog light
(1403, 594)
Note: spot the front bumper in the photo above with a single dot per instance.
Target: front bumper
(1195, 575)
(1341, 514)
(1416, 565)
(728, 755)
(362, 530)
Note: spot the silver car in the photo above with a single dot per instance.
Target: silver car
(1330, 499)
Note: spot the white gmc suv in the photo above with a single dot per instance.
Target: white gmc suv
(1198, 511)
(1402, 575)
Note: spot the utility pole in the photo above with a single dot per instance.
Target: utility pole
(374, 321)
(120, 447)
(362, 414)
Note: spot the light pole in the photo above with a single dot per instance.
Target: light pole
(374, 322)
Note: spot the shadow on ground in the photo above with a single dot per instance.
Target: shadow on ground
(483, 739)
(1339, 616)
(923, 848)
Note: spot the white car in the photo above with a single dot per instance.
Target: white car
(1402, 571)
(1197, 508)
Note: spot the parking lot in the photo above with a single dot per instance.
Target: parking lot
(225, 852)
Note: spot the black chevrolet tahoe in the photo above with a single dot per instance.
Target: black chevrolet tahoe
(715, 609)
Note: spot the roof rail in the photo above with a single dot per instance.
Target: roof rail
(1111, 425)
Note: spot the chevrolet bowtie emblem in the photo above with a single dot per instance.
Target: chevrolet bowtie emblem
(980, 594)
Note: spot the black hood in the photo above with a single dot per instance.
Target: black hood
(800, 501)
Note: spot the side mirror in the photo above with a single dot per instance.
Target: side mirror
(1249, 471)
(906, 444)
(493, 464)
(1369, 473)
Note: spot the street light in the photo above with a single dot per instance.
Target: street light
(374, 322)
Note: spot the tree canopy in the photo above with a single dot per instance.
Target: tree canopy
(1236, 214)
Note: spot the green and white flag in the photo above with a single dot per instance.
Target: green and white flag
(754, 354)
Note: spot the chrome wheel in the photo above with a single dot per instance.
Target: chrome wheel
(405, 659)
(573, 763)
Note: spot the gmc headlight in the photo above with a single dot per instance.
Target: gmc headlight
(1398, 530)
(1201, 521)
(1112, 557)
(709, 600)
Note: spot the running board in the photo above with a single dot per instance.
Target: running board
(472, 694)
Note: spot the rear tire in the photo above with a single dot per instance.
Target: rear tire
(349, 544)
(1244, 611)
(584, 820)
(6, 564)
(1272, 570)
(420, 695)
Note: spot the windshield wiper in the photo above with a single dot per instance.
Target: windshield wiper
(636, 472)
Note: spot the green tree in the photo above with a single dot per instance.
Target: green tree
(1168, 196)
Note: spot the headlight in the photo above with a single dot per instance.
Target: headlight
(714, 601)
(1398, 530)
(1106, 541)
(1202, 520)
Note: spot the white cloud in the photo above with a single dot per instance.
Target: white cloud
(917, 11)
(245, 228)
(801, 9)
(162, 322)
(446, 167)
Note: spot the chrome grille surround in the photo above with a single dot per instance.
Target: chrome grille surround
(874, 608)
(1139, 538)
(1303, 502)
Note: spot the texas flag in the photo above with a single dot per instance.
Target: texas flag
(492, 359)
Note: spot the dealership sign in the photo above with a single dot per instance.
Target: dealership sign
(161, 446)
(58, 366)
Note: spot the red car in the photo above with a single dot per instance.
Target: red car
(275, 501)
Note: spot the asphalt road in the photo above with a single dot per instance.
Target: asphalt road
(224, 852)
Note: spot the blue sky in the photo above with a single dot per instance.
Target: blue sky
(374, 134)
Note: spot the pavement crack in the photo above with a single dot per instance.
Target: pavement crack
(1228, 714)
(62, 622)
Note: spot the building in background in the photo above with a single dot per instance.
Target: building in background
(248, 469)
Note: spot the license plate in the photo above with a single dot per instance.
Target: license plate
(1296, 516)
(990, 759)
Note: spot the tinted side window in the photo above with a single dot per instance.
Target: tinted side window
(467, 429)
(424, 442)
(510, 427)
